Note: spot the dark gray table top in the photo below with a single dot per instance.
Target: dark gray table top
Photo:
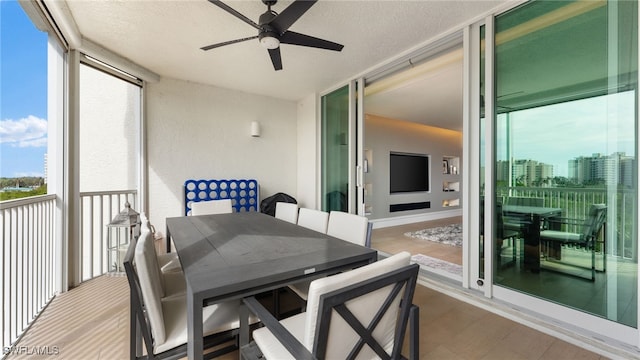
(234, 255)
(532, 210)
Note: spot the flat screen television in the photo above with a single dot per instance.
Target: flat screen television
(408, 172)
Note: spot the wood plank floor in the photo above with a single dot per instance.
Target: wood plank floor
(392, 240)
(92, 322)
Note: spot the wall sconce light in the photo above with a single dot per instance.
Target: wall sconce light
(255, 129)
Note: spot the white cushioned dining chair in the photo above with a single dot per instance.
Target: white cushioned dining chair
(222, 206)
(287, 212)
(313, 219)
(361, 314)
(167, 284)
(162, 321)
(348, 227)
(168, 262)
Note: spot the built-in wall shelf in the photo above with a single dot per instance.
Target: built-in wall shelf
(450, 202)
(451, 165)
(451, 181)
(451, 186)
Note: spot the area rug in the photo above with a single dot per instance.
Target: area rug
(449, 234)
(438, 266)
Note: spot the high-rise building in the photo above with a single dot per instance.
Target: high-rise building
(524, 172)
(616, 168)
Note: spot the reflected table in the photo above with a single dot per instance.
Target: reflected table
(530, 220)
(231, 256)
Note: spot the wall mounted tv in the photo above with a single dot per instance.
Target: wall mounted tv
(408, 172)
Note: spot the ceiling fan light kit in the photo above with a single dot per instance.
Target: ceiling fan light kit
(273, 29)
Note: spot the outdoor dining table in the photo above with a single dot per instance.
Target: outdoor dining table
(231, 256)
(535, 216)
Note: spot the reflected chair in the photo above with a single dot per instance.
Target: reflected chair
(504, 233)
(586, 237)
(222, 206)
(518, 223)
(162, 321)
(363, 313)
(287, 212)
(313, 219)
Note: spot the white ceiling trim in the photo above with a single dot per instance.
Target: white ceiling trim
(67, 25)
(107, 56)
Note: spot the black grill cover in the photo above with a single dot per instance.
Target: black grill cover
(268, 205)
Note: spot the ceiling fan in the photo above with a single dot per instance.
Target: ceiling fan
(273, 29)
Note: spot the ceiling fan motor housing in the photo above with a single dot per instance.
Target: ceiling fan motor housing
(273, 29)
(268, 36)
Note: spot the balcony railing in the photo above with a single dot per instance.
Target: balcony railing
(29, 252)
(28, 262)
(575, 203)
(98, 209)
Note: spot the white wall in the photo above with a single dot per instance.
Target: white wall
(307, 149)
(196, 131)
(384, 135)
(109, 127)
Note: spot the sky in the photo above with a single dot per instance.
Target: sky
(555, 134)
(23, 93)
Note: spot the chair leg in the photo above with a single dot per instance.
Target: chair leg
(276, 303)
(414, 333)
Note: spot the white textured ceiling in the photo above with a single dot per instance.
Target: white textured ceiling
(165, 37)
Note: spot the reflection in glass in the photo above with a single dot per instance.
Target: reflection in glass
(335, 150)
(566, 189)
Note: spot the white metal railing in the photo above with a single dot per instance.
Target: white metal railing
(97, 209)
(575, 203)
(28, 262)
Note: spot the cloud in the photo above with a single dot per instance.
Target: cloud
(28, 174)
(26, 132)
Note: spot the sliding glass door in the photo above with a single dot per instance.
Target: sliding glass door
(565, 162)
(342, 150)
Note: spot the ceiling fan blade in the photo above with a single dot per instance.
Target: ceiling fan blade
(295, 38)
(276, 59)
(291, 14)
(209, 47)
(233, 12)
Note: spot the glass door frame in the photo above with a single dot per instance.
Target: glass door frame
(355, 143)
(552, 311)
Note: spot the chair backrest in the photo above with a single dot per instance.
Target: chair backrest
(313, 219)
(349, 227)
(594, 221)
(148, 271)
(210, 207)
(380, 293)
(499, 221)
(137, 313)
(287, 212)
